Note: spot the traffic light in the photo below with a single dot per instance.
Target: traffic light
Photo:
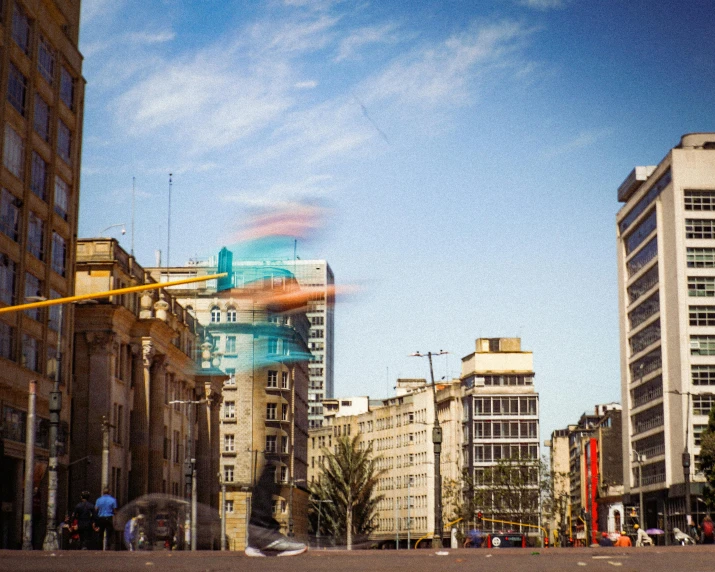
(480, 516)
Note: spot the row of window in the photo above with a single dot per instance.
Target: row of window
(494, 452)
(646, 201)
(506, 429)
(504, 406)
(699, 200)
(647, 336)
(31, 352)
(699, 228)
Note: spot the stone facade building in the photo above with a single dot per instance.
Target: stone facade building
(43, 88)
(134, 355)
(264, 416)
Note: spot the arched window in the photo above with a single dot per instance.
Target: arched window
(215, 314)
(617, 518)
(231, 315)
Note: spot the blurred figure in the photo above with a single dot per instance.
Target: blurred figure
(681, 537)
(84, 515)
(105, 507)
(708, 536)
(264, 538)
(623, 541)
(642, 539)
(605, 541)
(474, 539)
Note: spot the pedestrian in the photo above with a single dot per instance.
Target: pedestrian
(642, 539)
(264, 538)
(474, 539)
(708, 532)
(681, 537)
(104, 509)
(623, 541)
(605, 541)
(84, 514)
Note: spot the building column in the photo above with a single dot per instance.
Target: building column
(156, 409)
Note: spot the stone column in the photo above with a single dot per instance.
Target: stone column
(139, 439)
(156, 410)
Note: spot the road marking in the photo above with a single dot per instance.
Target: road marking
(581, 563)
(607, 557)
(615, 563)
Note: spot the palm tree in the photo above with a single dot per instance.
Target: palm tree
(348, 480)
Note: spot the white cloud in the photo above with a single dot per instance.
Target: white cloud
(439, 75)
(584, 138)
(365, 36)
(306, 84)
(543, 4)
(97, 9)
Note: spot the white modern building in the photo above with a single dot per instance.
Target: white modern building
(666, 278)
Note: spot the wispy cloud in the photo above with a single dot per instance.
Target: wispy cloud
(543, 4)
(583, 139)
(350, 46)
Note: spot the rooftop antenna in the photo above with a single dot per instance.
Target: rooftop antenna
(168, 231)
(133, 192)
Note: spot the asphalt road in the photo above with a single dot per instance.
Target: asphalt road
(659, 559)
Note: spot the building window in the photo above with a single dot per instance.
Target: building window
(271, 411)
(17, 89)
(284, 412)
(315, 371)
(284, 444)
(643, 284)
(702, 404)
(702, 345)
(230, 344)
(701, 286)
(38, 180)
(64, 141)
(59, 254)
(647, 336)
(642, 257)
(30, 353)
(284, 380)
(118, 423)
(229, 444)
(703, 374)
(62, 192)
(272, 345)
(14, 152)
(231, 315)
(7, 341)
(228, 473)
(699, 228)
(7, 279)
(316, 333)
(317, 321)
(46, 60)
(702, 315)
(42, 118)
(701, 257)
(54, 320)
(284, 474)
(272, 378)
(640, 233)
(271, 444)
(9, 214)
(36, 236)
(229, 409)
(231, 373)
(21, 29)
(33, 289)
(215, 314)
(229, 506)
(67, 88)
(699, 200)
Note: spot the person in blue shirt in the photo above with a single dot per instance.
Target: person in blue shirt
(104, 514)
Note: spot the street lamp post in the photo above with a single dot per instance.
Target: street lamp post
(317, 532)
(686, 454)
(640, 459)
(190, 467)
(437, 443)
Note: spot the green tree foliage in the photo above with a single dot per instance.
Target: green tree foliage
(348, 480)
(707, 458)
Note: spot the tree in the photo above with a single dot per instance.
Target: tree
(707, 458)
(349, 479)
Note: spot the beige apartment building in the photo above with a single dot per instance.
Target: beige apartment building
(666, 278)
(501, 422)
(41, 78)
(400, 430)
(560, 519)
(134, 355)
(264, 415)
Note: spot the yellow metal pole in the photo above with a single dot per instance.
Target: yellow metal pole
(108, 293)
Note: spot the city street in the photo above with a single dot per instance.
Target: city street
(667, 559)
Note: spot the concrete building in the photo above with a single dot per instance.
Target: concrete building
(265, 398)
(666, 276)
(559, 522)
(41, 75)
(133, 355)
(501, 423)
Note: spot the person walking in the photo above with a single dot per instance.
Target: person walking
(708, 535)
(623, 541)
(642, 539)
(605, 541)
(264, 538)
(84, 515)
(104, 509)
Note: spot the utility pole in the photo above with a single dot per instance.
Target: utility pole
(29, 468)
(51, 540)
(223, 511)
(437, 443)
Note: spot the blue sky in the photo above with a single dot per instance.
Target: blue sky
(469, 154)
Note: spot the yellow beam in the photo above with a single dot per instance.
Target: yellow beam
(108, 293)
(518, 524)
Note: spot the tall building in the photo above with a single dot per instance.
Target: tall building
(41, 73)
(315, 274)
(666, 279)
(501, 424)
(265, 396)
(136, 358)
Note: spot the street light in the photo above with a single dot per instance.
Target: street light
(124, 230)
(190, 466)
(317, 532)
(686, 454)
(437, 442)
